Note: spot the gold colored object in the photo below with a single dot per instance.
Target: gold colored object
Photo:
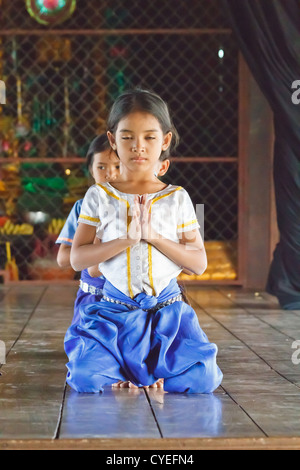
(53, 49)
(221, 263)
(10, 265)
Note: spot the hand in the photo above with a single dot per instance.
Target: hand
(148, 234)
(135, 228)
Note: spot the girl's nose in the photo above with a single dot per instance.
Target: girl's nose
(138, 147)
(111, 175)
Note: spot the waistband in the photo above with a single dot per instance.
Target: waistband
(170, 294)
(90, 289)
(151, 309)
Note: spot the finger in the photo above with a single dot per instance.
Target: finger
(136, 210)
(148, 206)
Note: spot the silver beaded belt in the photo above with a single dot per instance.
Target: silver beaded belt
(90, 289)
(178, 298)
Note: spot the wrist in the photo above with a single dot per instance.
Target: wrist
(153, 238)
(128, 242)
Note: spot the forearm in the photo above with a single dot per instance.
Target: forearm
(189, 257)
(85, 256)
(63, 256)
(188, 272)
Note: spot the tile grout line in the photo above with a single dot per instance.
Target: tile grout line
(24, 326)
(246, 412)
(60, 414)
(250, 348)
(276, 303)
(247, 345)
(153, 413)
(257, 317)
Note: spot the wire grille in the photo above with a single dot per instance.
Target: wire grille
(60, 82)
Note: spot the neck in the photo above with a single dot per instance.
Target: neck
(137, 177)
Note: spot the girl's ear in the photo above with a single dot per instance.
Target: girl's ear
(112, 140)
(164, 166)
(167, 140)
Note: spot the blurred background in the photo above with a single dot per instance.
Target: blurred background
(64, 62)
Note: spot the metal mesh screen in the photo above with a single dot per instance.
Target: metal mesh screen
(60, 82)
(125, 14)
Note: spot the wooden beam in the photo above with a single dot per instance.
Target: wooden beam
(179, 445)
(113, 32)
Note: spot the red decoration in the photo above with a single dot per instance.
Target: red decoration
(50, 12)
(51, 4)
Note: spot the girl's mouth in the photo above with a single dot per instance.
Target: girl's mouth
(138, 159)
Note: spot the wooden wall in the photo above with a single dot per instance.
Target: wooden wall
(257, 192)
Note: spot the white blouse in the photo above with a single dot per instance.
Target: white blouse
(140, 268)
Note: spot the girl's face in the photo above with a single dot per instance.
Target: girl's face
(139, 141)
(105, 166)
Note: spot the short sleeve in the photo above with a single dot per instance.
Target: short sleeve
(187, 219)
(89, 213)
(67, 233)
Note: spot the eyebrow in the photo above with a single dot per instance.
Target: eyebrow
(150, 130)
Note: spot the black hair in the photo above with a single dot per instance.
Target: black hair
(145, 101)
(98, 145)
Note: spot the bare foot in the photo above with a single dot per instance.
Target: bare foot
(127, 384)
(121, 384)
(158, 384)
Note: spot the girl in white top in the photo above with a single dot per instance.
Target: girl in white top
(141, 331)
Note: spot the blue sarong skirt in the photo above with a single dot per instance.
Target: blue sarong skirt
(140, 343)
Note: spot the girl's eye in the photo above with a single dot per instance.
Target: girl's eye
(126, 138)
(150, 138)
(101, 168)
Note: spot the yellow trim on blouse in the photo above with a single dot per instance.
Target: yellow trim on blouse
(165, 195)
(150, 246)
(187, 224)
(86, 217)
(128, 252)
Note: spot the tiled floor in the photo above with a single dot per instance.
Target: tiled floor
(257, 406)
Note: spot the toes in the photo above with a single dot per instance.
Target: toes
(127, 384)
(117, 384)
(124, 384)
(160, 383)
(131, 385)
(120, 384)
